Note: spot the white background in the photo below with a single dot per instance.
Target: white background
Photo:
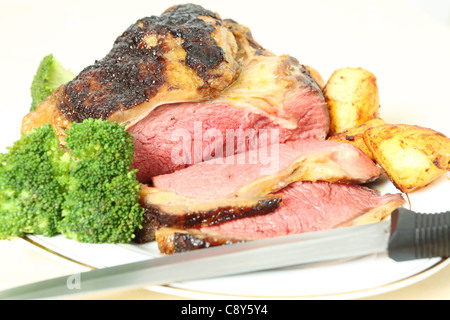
(406, 44)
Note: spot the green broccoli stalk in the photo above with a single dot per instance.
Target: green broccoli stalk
(49, 76)
(102, 200)
(30, 193)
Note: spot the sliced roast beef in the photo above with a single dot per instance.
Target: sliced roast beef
(212, 192)
(265, 170)
(274, 99)
(171, 209)
(306, 207)
(167, 209)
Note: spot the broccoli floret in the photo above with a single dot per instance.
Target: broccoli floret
(30, 193)
(84, 190)
(102, 199)
(49, 76)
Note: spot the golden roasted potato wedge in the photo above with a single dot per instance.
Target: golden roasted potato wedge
(352, 98)
(354, 136)
(412, 156)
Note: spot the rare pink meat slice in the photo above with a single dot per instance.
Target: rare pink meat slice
(308, 207)
(263, 171)
(273, 97)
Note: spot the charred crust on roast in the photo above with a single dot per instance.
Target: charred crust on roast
(244, 37)
(214, 216)
(310, 82)
(154, 218)
(119, 81)
(147, 233)
(187, 241)
(202, 51)
(132, 73)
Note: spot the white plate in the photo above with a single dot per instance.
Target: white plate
(406, 49)
(344, 279)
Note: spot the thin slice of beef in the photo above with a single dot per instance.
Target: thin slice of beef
(167, 209)
(306, 207)
(309, 207)
(171, 209)
(266, 170)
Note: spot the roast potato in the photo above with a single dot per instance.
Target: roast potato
(354, 136)
(412, 156)
(352, 98)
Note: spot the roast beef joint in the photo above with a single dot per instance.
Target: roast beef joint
(230, 138)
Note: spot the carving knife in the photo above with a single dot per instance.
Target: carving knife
(405, 236)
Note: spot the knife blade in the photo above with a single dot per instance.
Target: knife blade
(407, 235)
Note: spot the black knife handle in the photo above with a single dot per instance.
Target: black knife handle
(419, 235)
